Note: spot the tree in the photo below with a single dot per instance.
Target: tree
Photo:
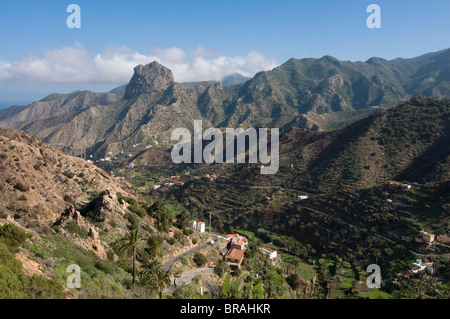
(221, 267)
(155, 246)
(183, 219)
(156, 277)
(162, 216)
(128, 247)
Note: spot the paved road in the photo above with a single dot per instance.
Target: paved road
(186, 278)
(171, 261)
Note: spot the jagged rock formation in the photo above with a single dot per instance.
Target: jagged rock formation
(148, 79)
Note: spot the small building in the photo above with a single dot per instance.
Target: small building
(230, 236)
(234, 258)
(201, 227)
(389, 200)
(302, 197)
(192, 224)
(270, 252)
(155, 187)
(131, 165)
(406, 186)
(237, 243)
(425, 237)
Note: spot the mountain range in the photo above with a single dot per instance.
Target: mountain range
(315, 94)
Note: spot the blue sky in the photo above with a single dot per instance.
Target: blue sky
(198, 40)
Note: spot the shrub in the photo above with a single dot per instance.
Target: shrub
(8, 260)
(39, 287)
(113, 223)
(184, 261)
(68, 174)
(40, 251)
(178, 235)
(22, 187)
(12, 236)
(105, 267)
(141, 212)
(132, 218)
(73, 228)
(10, 285)
(110, 255)
(200, 259)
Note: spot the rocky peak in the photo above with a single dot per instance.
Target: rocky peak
(147, 79)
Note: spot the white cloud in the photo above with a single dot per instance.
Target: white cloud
(115, 65)
(201, 51)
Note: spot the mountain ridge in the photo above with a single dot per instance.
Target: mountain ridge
(317, 94)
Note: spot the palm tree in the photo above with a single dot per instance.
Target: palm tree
(221, 267)
(158, 278)
(155, 246)
(128, 246)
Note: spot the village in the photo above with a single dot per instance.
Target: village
(234, 245)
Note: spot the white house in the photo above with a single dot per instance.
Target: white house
(272, 253)
(302, 197)
(155, 187)
(192, 224)
(201, 227)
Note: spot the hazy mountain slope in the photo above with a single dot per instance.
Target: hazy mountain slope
(44, 117)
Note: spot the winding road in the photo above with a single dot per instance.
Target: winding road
(186, 277)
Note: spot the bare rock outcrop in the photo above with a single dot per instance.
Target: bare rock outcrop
(148, 79)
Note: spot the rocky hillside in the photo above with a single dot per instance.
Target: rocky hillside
(57, 210)
(38, 182)
(316, 94)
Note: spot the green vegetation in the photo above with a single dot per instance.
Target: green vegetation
(200, 259)
(128, 247)
(13, 282)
